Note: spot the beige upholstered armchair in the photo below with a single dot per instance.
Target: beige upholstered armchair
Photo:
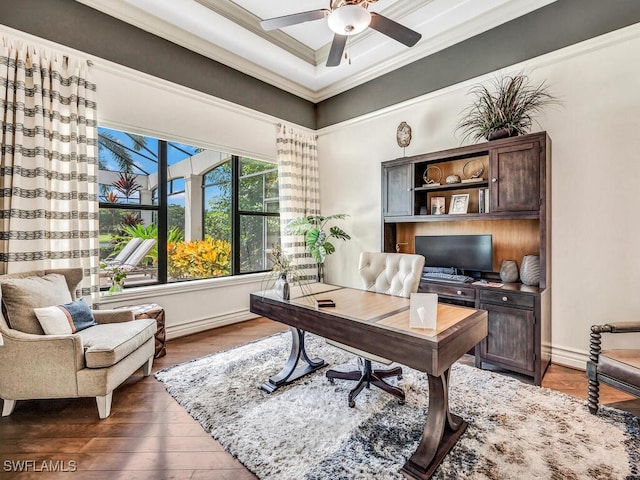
(102, 353)
(619, 368)
(393, 274)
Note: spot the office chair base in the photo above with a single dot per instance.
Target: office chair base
(367, 377)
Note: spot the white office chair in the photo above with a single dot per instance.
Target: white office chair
(393, 274)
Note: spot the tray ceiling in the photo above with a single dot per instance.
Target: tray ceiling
(294, 57)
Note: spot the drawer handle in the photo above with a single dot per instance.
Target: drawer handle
(459, 292)
(494, 180)
(505, 299)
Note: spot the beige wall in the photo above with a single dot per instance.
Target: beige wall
(596, 168)
(595, 174)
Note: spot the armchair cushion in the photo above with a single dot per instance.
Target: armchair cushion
(623, 365)
(21, 295)
(65, 319)
(107, 344)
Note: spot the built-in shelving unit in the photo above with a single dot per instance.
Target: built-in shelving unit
(514, 176)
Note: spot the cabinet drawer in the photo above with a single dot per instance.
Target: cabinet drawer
(453, 291)
(508, 298)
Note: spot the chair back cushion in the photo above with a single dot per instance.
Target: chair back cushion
(21, 295)
(391, 273)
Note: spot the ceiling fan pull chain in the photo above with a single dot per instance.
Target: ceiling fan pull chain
(347, 52)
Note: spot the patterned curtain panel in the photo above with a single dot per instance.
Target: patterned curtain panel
(49, 170)
(299, 185)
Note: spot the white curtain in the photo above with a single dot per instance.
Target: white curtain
(299, 185)
(49, 165)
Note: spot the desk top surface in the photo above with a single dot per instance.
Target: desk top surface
(382, 310)
(377, 323)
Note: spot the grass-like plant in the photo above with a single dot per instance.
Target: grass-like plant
(507, 111)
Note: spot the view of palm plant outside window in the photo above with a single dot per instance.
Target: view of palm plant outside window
(203, 206)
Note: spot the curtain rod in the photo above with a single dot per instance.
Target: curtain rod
(279, 125)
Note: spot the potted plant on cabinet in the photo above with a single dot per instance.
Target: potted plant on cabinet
(507, 112)
(316, 238)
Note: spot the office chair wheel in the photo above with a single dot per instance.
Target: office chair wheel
(352, 404)
(400, 402)
(331, 381)
(400, 377)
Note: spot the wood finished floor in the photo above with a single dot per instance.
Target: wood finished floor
(149, 436)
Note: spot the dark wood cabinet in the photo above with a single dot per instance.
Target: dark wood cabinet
(397, 194)
(516, 179)
(510, 339)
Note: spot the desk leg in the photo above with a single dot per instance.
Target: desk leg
(291, 371)
(441, 432)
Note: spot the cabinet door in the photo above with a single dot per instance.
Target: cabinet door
(515, 178)
(509, 342)
(397, 191)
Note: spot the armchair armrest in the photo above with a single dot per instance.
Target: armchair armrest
(595, 341)
(625, 327)
(113, 316)
(39, 366)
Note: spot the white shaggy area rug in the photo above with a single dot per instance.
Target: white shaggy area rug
(307, 431)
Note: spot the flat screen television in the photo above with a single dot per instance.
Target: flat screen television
(465, 253)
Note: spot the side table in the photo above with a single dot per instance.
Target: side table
(155, 311)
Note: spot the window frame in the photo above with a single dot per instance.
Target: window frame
(161, 210)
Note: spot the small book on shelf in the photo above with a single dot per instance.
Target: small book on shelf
(483, 200)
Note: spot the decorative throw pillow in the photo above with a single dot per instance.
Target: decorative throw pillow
(64, 319)
(21, 295)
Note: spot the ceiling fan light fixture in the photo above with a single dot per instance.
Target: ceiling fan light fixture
(349, 20)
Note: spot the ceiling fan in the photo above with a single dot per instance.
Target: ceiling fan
(346, 18)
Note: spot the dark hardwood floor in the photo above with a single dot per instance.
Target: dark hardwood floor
(149, 436)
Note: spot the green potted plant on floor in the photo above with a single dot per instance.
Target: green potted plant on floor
(316, 238)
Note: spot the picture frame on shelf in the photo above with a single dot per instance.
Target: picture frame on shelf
(437, 206)
(459, 204)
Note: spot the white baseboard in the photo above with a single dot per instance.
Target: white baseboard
(196, 326)
(569, 357)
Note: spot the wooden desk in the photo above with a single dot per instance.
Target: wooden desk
(379, 324)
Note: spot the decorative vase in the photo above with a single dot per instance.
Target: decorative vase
(509, 271)
(116, 287)
(321, 273)
(530, 270)
(282, 287)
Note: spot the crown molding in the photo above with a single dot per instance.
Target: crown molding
(130, 14)
(557, 57)
(427, 47)
(138, 18)
(251, 22)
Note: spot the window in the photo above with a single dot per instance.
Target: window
(207, 213)
(258, 213)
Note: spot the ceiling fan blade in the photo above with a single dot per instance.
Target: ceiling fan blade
(294, 19)
(394, 30)
(337, 47)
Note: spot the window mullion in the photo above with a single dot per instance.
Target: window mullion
(235, 215)
(162, 211)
